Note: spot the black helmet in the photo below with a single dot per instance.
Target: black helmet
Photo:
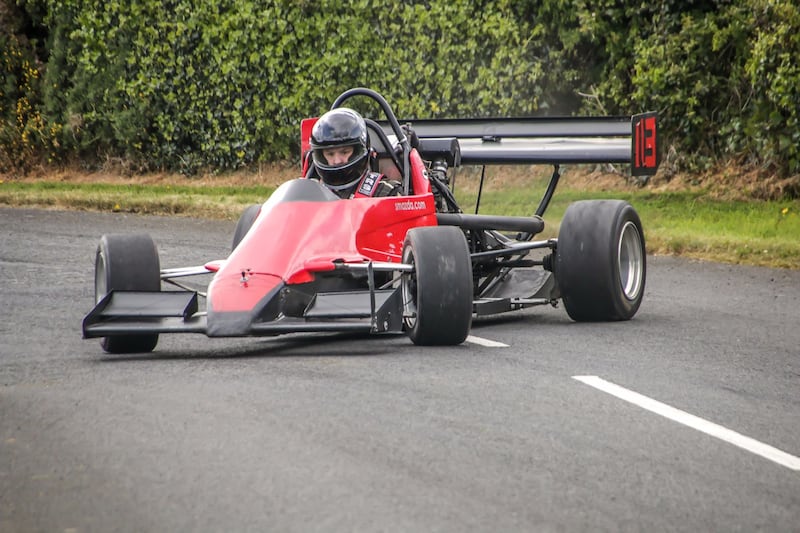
(340, 127)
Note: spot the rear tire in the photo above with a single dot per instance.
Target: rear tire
(244, 224)
(127, 263)
(600, 263)
(437, 295)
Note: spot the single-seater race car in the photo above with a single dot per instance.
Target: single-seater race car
(307, 261)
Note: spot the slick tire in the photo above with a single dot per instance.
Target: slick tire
(244, 224)
(126, 263)
(600, 262)
(437, 294)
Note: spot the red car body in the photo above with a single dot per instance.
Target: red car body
(306, 260)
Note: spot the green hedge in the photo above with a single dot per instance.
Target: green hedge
(185, 84)
(724, 76)
(188, 84)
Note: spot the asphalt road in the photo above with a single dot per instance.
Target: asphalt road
(336, 433)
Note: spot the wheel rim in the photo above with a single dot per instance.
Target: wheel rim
(100, 277)
(409, 287)
(631, 261)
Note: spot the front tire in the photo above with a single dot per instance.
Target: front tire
(244, 224)
(126, 263)
(601, 261)
(437, 295)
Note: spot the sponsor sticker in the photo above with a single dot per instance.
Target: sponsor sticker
(409, 205)
(368, 184)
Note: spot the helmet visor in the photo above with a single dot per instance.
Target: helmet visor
(338, 156)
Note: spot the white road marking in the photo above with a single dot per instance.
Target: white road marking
(715, 430)
(485, 342)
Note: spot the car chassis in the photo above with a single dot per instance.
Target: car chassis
(306, 261)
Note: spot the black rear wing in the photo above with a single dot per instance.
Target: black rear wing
(551, 140)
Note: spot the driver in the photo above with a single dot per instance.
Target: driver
(341, 153)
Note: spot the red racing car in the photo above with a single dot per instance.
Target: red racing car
(307, 261)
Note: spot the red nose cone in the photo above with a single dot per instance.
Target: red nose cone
(239, 293)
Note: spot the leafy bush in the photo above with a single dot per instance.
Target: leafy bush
(723, 75)
(186, 84)
(183, 85)
(26, 137)
(773, 73)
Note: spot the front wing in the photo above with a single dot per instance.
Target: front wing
(375, 310)
(137, 313)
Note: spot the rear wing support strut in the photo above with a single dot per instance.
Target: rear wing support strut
(548, 194)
